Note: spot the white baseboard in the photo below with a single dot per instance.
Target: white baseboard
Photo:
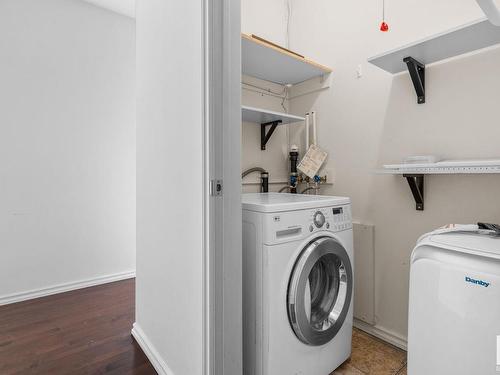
(383, 334)
(148, 348)
(43, 292)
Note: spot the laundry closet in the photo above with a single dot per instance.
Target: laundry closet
(275, 141)
(297, 244)
(376, 87)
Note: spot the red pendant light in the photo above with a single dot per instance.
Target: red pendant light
(384, 27)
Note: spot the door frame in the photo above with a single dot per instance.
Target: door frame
(222, 238)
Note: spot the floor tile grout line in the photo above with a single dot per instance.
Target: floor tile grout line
(401, 369)
(397, 367)
(379, 340)
(361, 371)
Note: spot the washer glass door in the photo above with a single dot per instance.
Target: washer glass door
(319, 292)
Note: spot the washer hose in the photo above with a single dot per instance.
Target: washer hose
(306, 190)
(264, 178)
(284, 188)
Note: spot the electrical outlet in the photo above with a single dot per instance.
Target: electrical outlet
(359, 71)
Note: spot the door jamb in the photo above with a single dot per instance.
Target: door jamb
(222, 238)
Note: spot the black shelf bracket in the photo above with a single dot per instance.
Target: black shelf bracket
(417, 74)
(416, 182)
(264, 136)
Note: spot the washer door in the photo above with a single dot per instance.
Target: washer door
(319, 292)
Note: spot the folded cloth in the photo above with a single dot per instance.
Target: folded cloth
(455, 228)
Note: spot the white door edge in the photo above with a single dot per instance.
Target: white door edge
(222, 237)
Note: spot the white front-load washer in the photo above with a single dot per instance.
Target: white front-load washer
(454, 314)
(297, 283)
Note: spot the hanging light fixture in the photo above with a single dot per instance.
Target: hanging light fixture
(384, 27)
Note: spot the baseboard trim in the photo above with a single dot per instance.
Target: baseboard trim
(148, 348)
(382, 334)
(44, 292)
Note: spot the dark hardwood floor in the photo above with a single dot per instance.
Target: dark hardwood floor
(81, 332)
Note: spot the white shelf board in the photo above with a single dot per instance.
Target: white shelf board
(489, 166)
(262, 116)
(467, 38)
(274, 64)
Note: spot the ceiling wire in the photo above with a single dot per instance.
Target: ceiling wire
(288, 17)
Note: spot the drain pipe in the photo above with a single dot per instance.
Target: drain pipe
(307, 132)
(264, 182)
(314, 128)
(294, 158)
(264, 178)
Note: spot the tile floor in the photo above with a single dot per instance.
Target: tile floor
(372, 356)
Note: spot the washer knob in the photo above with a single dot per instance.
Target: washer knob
(319, 219)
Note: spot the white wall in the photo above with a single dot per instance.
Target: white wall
(275, 158)
(67, 144)
(125, 7)
(170, 182)
(367, 122)
(267, 19)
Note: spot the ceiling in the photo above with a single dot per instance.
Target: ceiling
(124, 7)
(127, 7)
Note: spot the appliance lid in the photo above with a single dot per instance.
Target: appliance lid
(279, 202)
(471, 243)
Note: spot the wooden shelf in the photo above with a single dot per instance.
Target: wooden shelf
(467, 38)
(263, 116)
(265, 60)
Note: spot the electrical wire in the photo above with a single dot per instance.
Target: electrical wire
(267, 91)
(263, 93)
(284, 98)
(289, 10)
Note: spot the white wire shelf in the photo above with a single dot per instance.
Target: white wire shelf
(415, 173)
(488, 166)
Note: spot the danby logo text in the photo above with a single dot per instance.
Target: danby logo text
(477, 282)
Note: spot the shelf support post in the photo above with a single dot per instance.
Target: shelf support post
(264, 137)
(417, 74)
(416, 182)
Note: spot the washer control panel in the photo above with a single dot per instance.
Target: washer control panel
(281, 227)
(331, 218)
